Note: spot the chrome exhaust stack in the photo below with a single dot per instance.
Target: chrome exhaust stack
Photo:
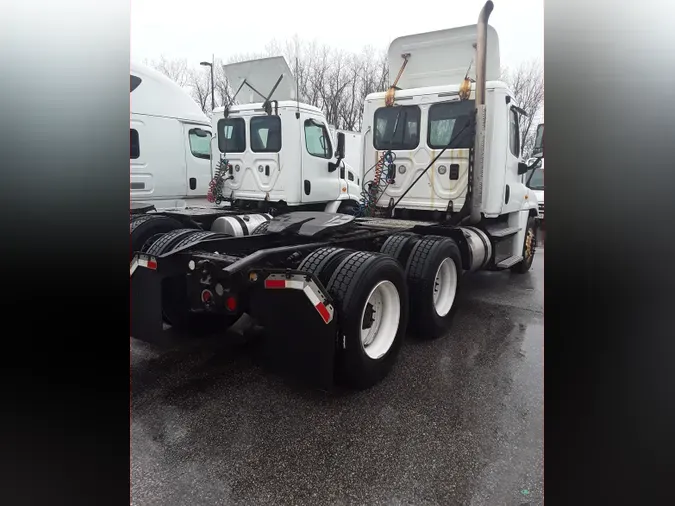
(479, 142)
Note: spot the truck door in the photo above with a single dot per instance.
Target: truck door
(197, 158)
(318, 184)
(514, 188)
(157, 159)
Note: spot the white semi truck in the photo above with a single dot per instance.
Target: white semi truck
(170, 140)
(278, 154)
(442, 195)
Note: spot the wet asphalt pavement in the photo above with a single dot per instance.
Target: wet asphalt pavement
(458, 421)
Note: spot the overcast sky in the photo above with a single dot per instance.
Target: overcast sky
(195, 31)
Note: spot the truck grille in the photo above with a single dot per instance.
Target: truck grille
(541, 209)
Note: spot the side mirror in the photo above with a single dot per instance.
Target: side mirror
(538, 149)
(340, 151)
(522, 168)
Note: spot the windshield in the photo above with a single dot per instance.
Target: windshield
(537, 180)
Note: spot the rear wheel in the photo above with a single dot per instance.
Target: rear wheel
(400, 245)
(371, 298)
(144, 226)
(323, 262)
(434, 270)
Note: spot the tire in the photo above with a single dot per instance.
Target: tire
(356, 279)
(528, 250)
(196, 237)
(323, 262)
(261, 229)
(144, 226)
(400, 245)
(433, 303)
(165, 242)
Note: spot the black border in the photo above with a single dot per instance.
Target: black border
(64, 153)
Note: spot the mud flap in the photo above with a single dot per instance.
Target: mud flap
(146, 306)
(146, 277)
(298, 341)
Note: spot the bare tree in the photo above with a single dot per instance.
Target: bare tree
(200, 88)
(527, 84)
(335, 81)
(175, 69)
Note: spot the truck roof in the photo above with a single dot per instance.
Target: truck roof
(283, 104)
(442, 56)
(263, 76)
(154, 94)
(433, 90)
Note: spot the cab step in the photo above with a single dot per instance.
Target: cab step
(509, 262)
(501, 231)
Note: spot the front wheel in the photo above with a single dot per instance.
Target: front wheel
(529, 247)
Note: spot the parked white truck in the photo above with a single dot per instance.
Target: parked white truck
(279, 152)
(442, 194)
(170, 140)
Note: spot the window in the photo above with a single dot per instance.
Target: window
(135, 82)
(135, 145)
(397, 127)
(350, 175)
(536, 180)
(514, 133)
(317, 139)
(200, 143)
(448, 122)
(266, 134)
(232, 135)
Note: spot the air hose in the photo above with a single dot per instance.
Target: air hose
(217, 183)
(371, 191)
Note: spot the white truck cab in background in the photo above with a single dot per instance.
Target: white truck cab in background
(170, 143)
(278, 149)
(535, 182)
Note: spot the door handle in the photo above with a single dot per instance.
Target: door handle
(193, 183)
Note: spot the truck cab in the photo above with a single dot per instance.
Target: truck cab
(274, 148)
(429, 122)
(170, 139)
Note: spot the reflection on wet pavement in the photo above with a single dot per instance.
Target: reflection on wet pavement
(458, 421)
